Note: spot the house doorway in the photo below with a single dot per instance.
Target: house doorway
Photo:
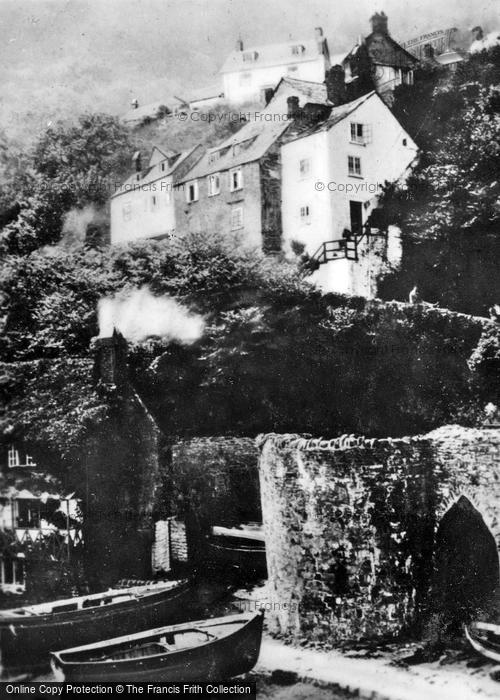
(356, 214)
(466, 568)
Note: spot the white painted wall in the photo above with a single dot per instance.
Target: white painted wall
(151, 208)
(237, 92)
(385, 158)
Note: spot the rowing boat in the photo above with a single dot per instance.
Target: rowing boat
(206, 650)
(485, 639)
(28, 634)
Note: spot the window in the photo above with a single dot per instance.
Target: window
(154, 202)
(249, 56)
(304, 166)
(235, 179)
(292, 69)
(192, 191)
(405, 142)
(213, 157)
(361, 133)
(408, 78)
(163, 167)
(236, 218)
(11, 573)
(354, 165)
(127, 211)
(298, 49)
(13, 457)
(305, 213)
(213, 184)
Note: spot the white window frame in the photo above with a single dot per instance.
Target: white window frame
(196, 193)
(352, 162)
(238, 224)
(234, 187)
(13, 457)
(213, 184)
(305, 214)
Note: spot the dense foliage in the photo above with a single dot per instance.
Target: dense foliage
(450, 209)
(275, 355)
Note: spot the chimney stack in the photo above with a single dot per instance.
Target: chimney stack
(379, 23)
(320, 39)
(137, 161)
(335, 86)
(239, 44)
(428, 51)
(293, 109)
(110, 363)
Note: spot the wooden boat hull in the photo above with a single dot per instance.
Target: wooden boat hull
(25, 644)
(234, 652)
(245, 557)
(484, 637)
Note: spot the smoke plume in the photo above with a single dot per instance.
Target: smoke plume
(139, 315)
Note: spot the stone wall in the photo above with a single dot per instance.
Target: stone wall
(351, 526)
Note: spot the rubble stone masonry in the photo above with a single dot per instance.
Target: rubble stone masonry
(351, 525)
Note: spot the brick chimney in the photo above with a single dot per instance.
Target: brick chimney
(428, 51)
(379, 23)
(293, 109)
(110, 359)
(335, 85)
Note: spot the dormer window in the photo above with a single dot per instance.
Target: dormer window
(249, 56)
(213, 157)
(298, 49)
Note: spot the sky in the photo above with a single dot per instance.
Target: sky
(62, 57)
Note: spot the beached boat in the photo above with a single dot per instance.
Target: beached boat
(205, 650)
(485, 639)
(241, 547)
(28, 634)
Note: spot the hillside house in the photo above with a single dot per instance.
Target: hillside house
(380, 61)
(143, 206)
(236, 187)
(332, 174)
(250, 74)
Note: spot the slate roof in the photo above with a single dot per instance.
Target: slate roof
(388, 52)
(271, 55)
(337, 115)
(249, 144)
(152, 174)
(316, 92)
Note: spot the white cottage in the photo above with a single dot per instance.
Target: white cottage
(251, 74)
(143, 206)
(332, 174)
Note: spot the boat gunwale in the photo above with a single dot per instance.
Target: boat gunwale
(136, 597)
(250, 617)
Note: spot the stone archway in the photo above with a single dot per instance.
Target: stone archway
(466, 566)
